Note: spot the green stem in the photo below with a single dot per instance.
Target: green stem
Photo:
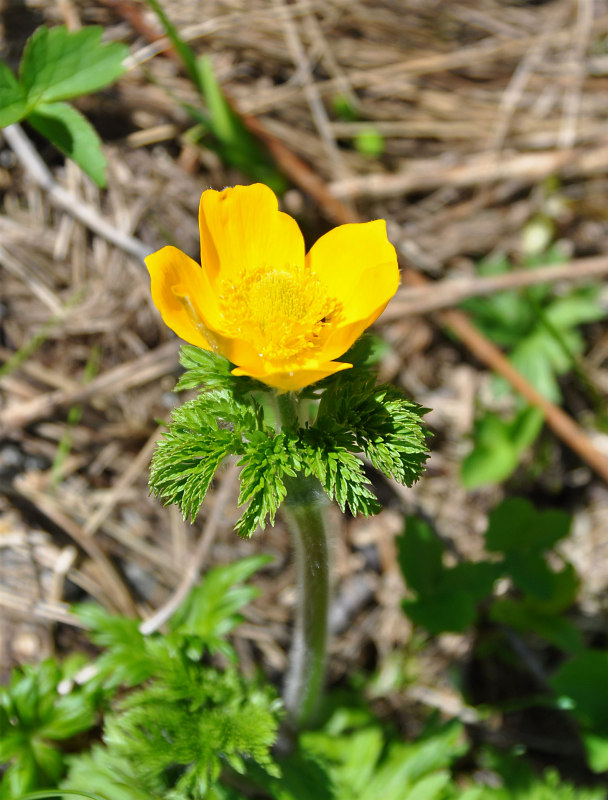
(287, 408)
(303, 510)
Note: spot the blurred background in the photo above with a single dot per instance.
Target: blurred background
(479, 131)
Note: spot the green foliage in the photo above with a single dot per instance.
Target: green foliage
(524, 536)
(326, 455)
(581, 685)
(34, 716)
(181, 729)
(210, 612)
(13, 102)
(171, 736)
(499, 446)
(59, 65)
(177, 732)
(522, 541)
(518, 781)
(447, 598)
(70, 132)
(266, 462)
(231, 416)
(354, 758)
(228, 135)
(370, 142)
(199, 625)
(540, 332)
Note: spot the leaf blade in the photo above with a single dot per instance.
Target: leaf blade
(71, 133)
(58, 64)
(13, 104)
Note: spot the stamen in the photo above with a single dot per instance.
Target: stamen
(282, 312)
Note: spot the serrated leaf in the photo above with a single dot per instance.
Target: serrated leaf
(71, 133)
(13, 104)
(58, 64)
(211, 609)
(266, 463)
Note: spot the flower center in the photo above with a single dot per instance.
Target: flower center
(282, 312)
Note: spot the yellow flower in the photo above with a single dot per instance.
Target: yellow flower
(280, 315)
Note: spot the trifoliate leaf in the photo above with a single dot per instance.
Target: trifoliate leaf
(58, 64)
(13, 103)
(71, 133)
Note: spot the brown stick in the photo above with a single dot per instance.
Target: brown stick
(448, 293)
(146, 368)
(480, 170)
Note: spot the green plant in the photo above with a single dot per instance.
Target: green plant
(36, 713)
(231, 416)
(544, 587)
(183, 719)
(59, 65)
(540, 332)
(448, 598)
(580, 685)
(219, 127)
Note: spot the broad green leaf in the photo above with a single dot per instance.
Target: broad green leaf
(516, 526)
(596, 748)
(583, 681)
(556, 629)
(71, 133)
(445, 611)
(12, 97)
(579, 307)
(526, 426)
(475, 578)
(420, 556)
(531, 573)
(58, 64)
(494, 455)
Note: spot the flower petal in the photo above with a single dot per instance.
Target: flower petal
(372, 293)
(241, 227)
(344, 255)
(291, 381)
(175, 275)
(358, 265)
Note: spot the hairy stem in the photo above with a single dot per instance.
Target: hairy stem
(303, 510)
